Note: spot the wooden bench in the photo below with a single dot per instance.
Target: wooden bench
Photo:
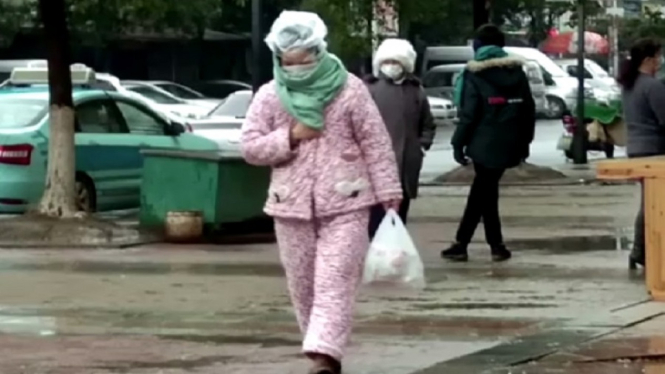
(650, 170)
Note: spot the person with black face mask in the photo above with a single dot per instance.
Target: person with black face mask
(496, 126)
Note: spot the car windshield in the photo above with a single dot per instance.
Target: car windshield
(235, 105)
(153, 95)
(180, 91)
(17, 113)
(596, 70)
(440, 79)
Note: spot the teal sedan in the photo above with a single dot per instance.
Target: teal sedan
(111, 130)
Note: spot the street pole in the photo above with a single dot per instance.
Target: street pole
(615, 41)
(481, 14)
(612, 12)
(579, 148)
(257, 44)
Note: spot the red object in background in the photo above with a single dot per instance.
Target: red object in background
(553, 32)
(567, 43)
(568, 123)
(16, 154)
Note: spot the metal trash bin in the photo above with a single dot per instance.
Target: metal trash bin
(219, 184)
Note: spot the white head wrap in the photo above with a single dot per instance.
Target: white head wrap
(399, 50)
(297, 30)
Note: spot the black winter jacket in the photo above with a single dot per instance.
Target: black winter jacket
(497, 114)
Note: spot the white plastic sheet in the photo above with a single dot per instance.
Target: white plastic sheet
(392, 257)
(297, 30)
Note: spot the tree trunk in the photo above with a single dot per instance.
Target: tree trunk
(481, 14)
(60, 190)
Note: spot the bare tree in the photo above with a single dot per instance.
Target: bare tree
(59, 195)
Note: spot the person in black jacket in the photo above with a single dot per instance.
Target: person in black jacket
(496, 127)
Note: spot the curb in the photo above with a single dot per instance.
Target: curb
(562, 182)
(120, 244)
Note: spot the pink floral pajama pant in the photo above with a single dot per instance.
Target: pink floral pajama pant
(323, 260)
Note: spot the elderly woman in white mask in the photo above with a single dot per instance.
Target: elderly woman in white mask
(331, 157)
(403, 104)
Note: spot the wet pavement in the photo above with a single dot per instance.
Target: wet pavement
(224, 309)
(439, 159)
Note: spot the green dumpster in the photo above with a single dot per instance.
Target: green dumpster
(219, 184)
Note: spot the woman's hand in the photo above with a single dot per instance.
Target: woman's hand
(302, 132)
(393, 204)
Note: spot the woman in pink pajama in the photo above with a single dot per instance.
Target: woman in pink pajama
(332, 159)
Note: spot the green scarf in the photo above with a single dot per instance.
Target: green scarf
(306, 97)
(482, 54)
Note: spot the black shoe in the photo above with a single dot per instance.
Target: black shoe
(456, 253)
(500, 253)
(636, 259)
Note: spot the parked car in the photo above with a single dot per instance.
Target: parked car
(220, 89)
(182, 92)
(440, 81)
(560, 88)
(7, 66)
(443, 110)
(604, 85)
(234, 107)
(108, 82)
(223, 123)
(165, 101)
(111, 129)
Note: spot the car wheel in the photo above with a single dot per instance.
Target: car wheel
(86, 200)
(555, 107)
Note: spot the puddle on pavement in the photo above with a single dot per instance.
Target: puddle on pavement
(566, 244)
(149, 268)
(43, 326)
(434, 274)
(185, 364)
(500, 272)
(483, 306)
(263, 341)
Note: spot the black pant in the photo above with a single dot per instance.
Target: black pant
(639, 238)
(639, 241)
(483, 202)
(378, 213)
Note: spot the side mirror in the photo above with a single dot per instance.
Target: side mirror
(175, 129)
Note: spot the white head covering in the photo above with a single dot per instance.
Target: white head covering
(297, 30)
(395, 49)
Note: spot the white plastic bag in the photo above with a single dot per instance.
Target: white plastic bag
(392, 257)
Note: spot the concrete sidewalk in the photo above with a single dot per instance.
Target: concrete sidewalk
(224, 309)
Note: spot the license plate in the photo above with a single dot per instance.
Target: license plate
(565, 142)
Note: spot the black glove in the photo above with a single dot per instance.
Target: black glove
(526, 154)
(460, 157)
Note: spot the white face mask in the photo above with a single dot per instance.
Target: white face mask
(299, 70)
(392, 71)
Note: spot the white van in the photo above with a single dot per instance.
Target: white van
(605, 86)
(560, 88)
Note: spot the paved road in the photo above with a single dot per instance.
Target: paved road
(543, 150)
